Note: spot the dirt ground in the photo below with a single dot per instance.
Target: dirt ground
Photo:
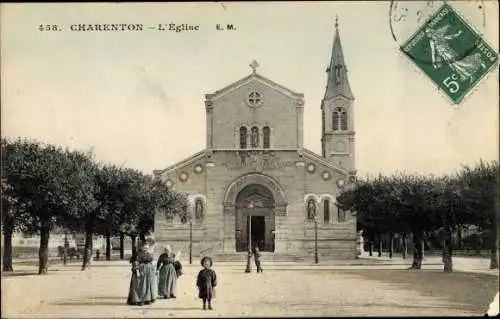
(282, 290)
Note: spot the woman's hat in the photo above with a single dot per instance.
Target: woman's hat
(207, 258)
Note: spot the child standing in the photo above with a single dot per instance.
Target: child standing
(206, 282)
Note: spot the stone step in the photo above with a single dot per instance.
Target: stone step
(265, 256)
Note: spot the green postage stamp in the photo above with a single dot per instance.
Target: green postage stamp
(451, 53)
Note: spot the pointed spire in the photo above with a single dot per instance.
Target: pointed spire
(337, 83)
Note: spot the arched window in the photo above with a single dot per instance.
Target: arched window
(267, 137)
(199, 211)
(343, 121)
(339, 119)
(243, 137)
(311, 209)
(335, 121)
(255, 137)
(326, 211)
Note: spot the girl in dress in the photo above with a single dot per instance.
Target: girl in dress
(206, 282)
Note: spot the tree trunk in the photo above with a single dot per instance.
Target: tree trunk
(422, 247)
(418, 244)
(65, 248)
(122, 245)
(142, 238)
(43, 252)
(391, 244)
(370, 246)
(447, 250)
(495, 239)
(87, 255)
(379, 246)
(459, 238)
(134, 247)
(108, 244)
(405, 245)
(8, 230)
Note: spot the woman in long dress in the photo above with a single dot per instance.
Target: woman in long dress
(134, 279)
(167, 279)
(143, 282)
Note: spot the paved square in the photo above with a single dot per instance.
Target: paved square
(284, 289)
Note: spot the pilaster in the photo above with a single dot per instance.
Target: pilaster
(209, 108)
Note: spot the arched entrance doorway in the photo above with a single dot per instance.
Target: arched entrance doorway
(255, 194)
(255, 220)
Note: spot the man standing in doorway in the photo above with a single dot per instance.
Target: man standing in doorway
(256, 256)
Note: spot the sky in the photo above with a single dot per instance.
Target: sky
(137, 98)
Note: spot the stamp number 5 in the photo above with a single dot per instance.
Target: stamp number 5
(452, 84)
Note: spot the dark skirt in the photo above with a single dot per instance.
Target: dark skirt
(167, 281)
(142, 288)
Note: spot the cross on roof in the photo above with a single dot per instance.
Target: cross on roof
(254, 65)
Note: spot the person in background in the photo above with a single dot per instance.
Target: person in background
(256, 256)
(206, 282)
(167, 281)
(177, 264)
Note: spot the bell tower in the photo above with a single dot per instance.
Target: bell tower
(337, 136)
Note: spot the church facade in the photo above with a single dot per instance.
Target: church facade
(256, 183)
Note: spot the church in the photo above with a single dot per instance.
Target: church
(256, 184)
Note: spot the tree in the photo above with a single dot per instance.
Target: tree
(14, 217)
(145, 198)
(109, 179)
(479, 187)
(448, 205)
(50, 184)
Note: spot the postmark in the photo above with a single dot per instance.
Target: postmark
(450, 53)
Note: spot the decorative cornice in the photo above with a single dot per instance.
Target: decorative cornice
(349, 133)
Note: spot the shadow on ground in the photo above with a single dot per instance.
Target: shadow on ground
(18, 274)
(176, 308)
(471, 291)
(341, 307)
(123, 302)
(117, 301)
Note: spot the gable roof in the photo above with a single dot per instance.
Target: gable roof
(321, 160)
(254, 77)
(182, 163)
